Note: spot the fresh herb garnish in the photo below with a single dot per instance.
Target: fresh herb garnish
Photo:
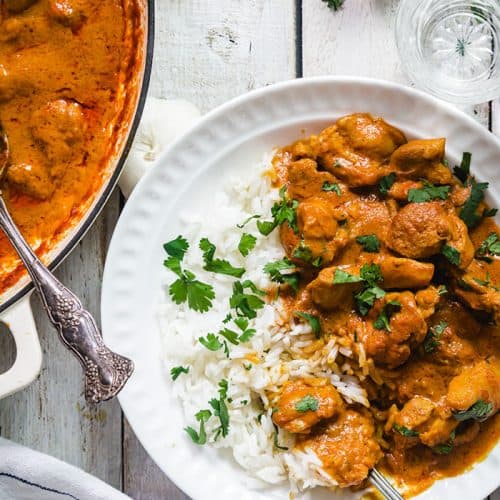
(303, 252)
(384, 318)
(246, 244)
(199, 437)
(211, 342)
(219, 266)
(282, 211)
(485, 282)
(490, 246)
(275, 439)
(235, 337)
(246, 304)
(307, 403)
(334, 4)
(433, 336)
(220, 410)
(198, 295)
(312, 320)
(280, 272)
(445, 448)
(452, 254)
(177, 370)
(366, 298)
(386, 183)
(469, 211)
(369, 242)
(246, 221)
(428, 192)
(442, 290)
(479, 411)
(327, 186)
(462, 171)
(340, 277)
(404, 431)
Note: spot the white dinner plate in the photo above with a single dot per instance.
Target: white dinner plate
(231, 138)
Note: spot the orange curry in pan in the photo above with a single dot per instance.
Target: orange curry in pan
(397, 257)
(68, 87)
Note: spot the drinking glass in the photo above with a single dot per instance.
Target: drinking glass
(450, 47)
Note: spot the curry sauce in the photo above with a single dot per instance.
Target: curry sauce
(65, 70)
(398, 262)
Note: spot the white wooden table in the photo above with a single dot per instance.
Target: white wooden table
(207, 51)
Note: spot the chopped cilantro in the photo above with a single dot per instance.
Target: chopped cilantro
(341, 277)
(211, 342)
(428, 192)
(246, 304)
(366, 298)
(404, 431)
(177, 370)
(219, 266)
(177, 248)
(282, 211)
(275, 440)
(445, 448)
(246, 244)
(468, 213)
(199, 437)
(312, 320)
(334, 4)
(246, 221)
(369, 242)
(479, 411)
(229, 335)
(386, 183)
(331, 187)
(307, 403)
(490, 246)
(279, 271)
(485, 282)
(371, 274)
(433, 336)
(220, 410)
(384, 318)
(462, 171)
(442, 290)
(303, 252)
(452, 254)
(199, 295)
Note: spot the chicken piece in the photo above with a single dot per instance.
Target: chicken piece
(421, 158)
(400, 273)
(460, 240)
(391, 343)
(399, 190)
(357, 148)
(304, 402)
(12, 83)
(315, 220)
(476, 291)
(478, 382)
(304, 179)
(419, 230)
(426, 301)
(347, 447)
(60, 128)
(10, 29)
(31, 179)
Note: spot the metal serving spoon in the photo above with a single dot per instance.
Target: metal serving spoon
(105, 371)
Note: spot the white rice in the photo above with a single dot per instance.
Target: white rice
(277, 342)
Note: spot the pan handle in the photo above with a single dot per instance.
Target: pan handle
(19, 319)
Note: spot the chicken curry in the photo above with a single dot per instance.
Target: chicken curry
(398, 258)
(67, 75)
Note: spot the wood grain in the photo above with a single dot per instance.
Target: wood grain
(51, 415)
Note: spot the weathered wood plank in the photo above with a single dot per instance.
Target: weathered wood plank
(51, 415)
(208, 52)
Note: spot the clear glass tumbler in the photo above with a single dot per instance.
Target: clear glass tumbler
(450, 48)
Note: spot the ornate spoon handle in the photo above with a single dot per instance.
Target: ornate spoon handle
(105, 371)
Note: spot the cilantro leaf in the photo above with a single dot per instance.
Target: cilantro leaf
(452, 254)
(366, 298)
(386, 183)
(490, 246)
(369, 242)
(489, 212)
(282, 211)
(220, 410)
(246, 221)
(177, 370)
(462, 171)
(223, 388)
(334, 4)
(247, 335)
(445, 448)
(479, 411)
(404, 431)
(312, 320)
(307, 403)
(468, 213)
(229, 335)
(279, 271)
(433, 336)
(245, 304)
(177, 248)
(219, 266)
(371, 274)
(428, 192)
(382, 322)
(303, 252)
(174, 264)
(199, 437)
(442, 290)
(246, 244)
(331, 187)
(341, 277)
(211, 342)
(275, 439)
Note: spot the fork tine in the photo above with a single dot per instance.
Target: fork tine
(384, 486)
